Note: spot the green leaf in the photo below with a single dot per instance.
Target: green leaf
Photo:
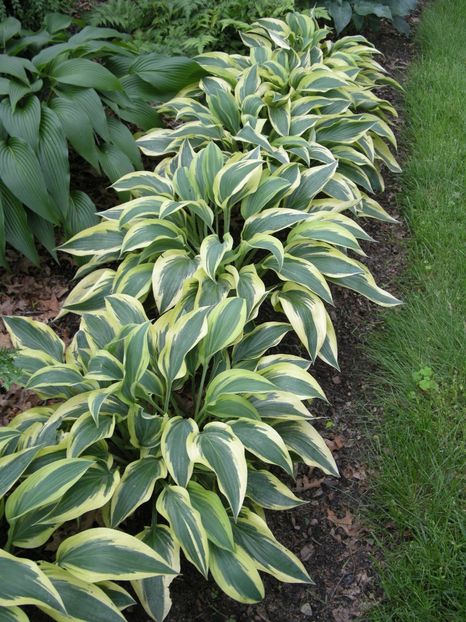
(13, 66)
(78, 129)
(84, 72)
(9, 27)
(81, 213)
(17, 230)
(54, 22)
(167, 75)
(22, 174)
(22, 121)
(53, 158)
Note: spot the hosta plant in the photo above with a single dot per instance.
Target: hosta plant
(59, 91)
(299, 97)
(362, 13)
(154, 437)
(224, 226)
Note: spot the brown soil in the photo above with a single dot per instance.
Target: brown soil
(328, 533)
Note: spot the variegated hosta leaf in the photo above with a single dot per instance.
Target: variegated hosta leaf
(185, 333)
(84, 602)
(293, 379)
(263, 441)
(236, 180)
(27, 333)
(136, 487)
(154, 593)
(103, 554)
(136, 357)
(268, 491)
(213, 515)
(170, 272)
(12, 614)
(106, 237)
(12, 467)
(228, 406)
(224, 325)
(218, 448)
(304, 440)
(236, 574)
(306, 314)
(117, 594)
(145, 429)
(177, 438)
(85, 432)
(185, 522)
(259, 340)
(252, 534)
(44, 486)
(24, 583)
(301, 272)
(237, 381)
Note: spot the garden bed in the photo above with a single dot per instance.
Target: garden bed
(327, 533)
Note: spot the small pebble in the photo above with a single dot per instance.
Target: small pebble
(306, 610)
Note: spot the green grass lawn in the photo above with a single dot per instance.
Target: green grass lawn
(421, 353)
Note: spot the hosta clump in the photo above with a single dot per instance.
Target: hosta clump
(299, 97)
(170, 424)
(225, 226)
(61, 90)
(369, 13)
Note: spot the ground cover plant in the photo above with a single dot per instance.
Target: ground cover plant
(32, 12)
(184, 26)
(62, 91)
(420, 456)
(162, 420)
